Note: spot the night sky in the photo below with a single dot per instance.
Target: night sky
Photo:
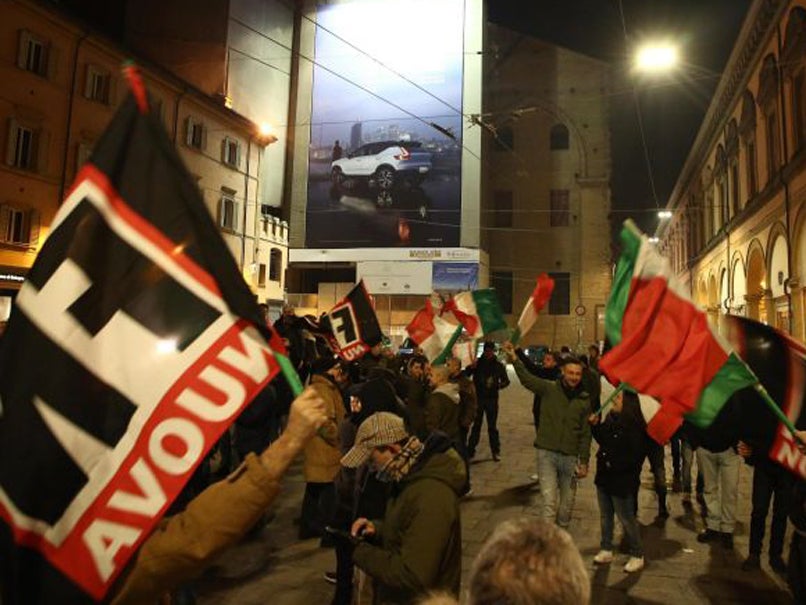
(672, 107)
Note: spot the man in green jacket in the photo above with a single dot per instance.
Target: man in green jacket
(563, 438)
(417, 548)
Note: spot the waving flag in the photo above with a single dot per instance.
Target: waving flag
(133, 345)
(435, 335)
(540, 296)
(780, 364)
(662, 344)
(478, 311)
(352, 325)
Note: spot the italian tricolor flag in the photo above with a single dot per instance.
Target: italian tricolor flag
(435, 335)
(663, 345)
(540, 296)
(478, 311)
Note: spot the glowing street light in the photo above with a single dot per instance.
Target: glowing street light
(664, 214)
(653, 240)
(656, 58)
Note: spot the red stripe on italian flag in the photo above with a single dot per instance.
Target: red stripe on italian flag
(433, 334)
(540, 296)
(663, 344)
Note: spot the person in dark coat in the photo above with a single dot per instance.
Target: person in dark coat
(412, 387)
(768, 478)
(358, 492)
(489, 377)
(618, 475)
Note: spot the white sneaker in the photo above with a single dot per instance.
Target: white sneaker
(634, 564)
(603, 557)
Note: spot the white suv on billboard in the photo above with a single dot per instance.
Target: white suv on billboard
(385, 162)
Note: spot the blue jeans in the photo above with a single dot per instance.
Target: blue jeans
(624, 507)
(557, 471)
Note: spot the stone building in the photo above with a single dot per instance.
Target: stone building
(63, 84)
(737, 235)
(547, 196)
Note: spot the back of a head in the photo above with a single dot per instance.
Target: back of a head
(529, 562)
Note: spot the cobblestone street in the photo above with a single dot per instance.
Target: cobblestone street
(276, 568)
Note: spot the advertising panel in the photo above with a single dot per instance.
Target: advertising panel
(455, 277)
(386, 125)
(390, 277)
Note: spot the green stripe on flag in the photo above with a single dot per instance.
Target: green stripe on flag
(622, 280)
(731, 377)
(447, 351)
(489, 311)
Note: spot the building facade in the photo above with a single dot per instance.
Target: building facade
(547, 196)
(737, 235)
(63, 86)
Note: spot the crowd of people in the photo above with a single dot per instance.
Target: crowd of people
(386, 473)
(387, 443)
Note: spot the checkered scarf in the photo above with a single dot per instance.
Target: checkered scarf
(399, 466)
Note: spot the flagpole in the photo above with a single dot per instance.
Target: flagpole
(779, 413)
(612, 398)
(440, 359)
(289, 373)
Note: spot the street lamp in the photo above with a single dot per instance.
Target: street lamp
(657, 57)
(653, 240)
(664, 214)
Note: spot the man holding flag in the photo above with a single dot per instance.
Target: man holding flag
(153, 346)
(564, 436)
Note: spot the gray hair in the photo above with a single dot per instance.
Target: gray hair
(529, 562)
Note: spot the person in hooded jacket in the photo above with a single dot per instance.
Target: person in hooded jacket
(618, 475)
(442, 405)
(417, 547)
(358, 491)
(322, 454)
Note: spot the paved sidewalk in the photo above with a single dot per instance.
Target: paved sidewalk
(276, 568)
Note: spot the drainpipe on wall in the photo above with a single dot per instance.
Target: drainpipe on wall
(245, 205)
(70, 99)
(785, 160)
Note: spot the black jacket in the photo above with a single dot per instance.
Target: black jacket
(620, 455)
(489, 376)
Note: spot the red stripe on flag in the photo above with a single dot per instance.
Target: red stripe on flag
(146, 229)
(422, 325)
(542, 292)
(667, 349)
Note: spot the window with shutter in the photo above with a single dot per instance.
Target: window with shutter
(261, 275)
(196, 134)
(22, 149)
(98, 84)
(230, 153)
(228, 210)
(32, 54)
(15, 226)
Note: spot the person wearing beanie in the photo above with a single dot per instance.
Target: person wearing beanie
(322, 454)
(417, 548)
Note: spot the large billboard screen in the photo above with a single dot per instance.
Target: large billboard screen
(386, 124)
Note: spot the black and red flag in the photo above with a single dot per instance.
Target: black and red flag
(352, 326)
(133, 345)
(779, 362)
